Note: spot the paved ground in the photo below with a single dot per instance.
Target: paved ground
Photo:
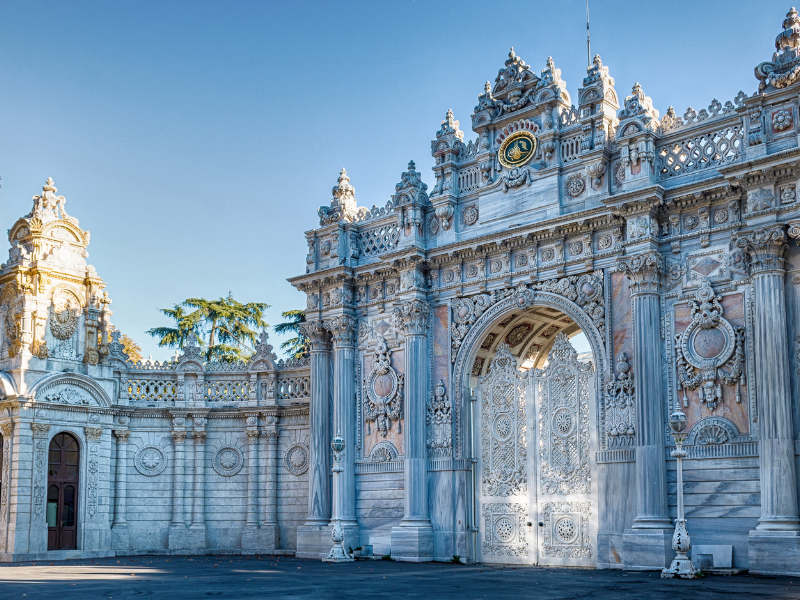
(177, 577)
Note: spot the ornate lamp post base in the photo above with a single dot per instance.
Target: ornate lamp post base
(681, 565)
(338, 553)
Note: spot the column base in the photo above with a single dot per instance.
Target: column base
(647, 549)
(260, 540)
(315, 541)
(774, 552)
(120, 537)
(412, 543)
(187, 538)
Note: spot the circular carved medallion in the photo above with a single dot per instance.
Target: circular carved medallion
(709, 343)
(517, 149)
(504, 529)
(566, 530)
(150, 461)
(470, 215)
(296, 459)
(503, 427)
(563, 422)
(228, 461)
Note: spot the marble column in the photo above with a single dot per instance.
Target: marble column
(413, 539)
(649, 543)
(120, 508)
(271, 481)
(774, 546)
(252, 477)
(199, 512)
(313, 538)
(343, 329)
(178, 441)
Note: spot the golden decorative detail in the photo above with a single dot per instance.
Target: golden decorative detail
(517, 149)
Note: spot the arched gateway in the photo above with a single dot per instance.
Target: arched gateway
(533, 429)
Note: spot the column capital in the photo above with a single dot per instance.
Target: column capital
(6, 429)
(317, 335)
(411, 317)
(764, 248)
(178, 437)
(40, 430)
(122, 435)
(199, 437)
(643, 271)
(252, 435)
(343, 329)
(93, 434)
(271, 435)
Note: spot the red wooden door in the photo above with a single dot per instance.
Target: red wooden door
(62, 493)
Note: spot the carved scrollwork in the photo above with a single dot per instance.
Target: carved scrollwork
(411, 317)
(764, 249)
(705, 345)
(643, 271)
(621, 405)
(63, 315)
(439, 420)
(383, 392)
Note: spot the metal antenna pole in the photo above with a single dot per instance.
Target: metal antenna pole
(588, 42)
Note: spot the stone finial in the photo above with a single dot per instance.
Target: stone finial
(343, 206)
(411, 188)
(450, 127)
(597, 72)
(782, 71)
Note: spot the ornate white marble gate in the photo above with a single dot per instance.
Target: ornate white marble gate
(536, 498)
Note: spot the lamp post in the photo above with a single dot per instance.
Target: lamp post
(681, 565)
(337, 553)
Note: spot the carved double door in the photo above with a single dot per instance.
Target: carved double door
(535, 490)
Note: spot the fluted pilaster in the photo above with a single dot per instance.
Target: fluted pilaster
(319, 490)
(644, 272)
(779, 509)
(121, 505)
(199, 512)
(343, 331)
(178, 441)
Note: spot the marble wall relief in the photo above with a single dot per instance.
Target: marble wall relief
(709, 342)
(383, 392)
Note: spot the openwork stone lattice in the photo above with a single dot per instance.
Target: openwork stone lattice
(294, 387)
(227, 391)
(700, 152)
(379, 240)
(151, 390)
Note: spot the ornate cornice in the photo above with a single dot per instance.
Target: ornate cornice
(411, 317)
(764, 248)
(643, 271)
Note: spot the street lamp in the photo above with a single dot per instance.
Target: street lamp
(337, 553)
(681, 565)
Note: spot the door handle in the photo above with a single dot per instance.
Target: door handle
(541, 524)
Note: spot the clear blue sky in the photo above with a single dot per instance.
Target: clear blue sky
(195, 140)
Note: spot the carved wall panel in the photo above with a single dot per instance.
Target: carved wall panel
(505, 530)
(700, 346)
(382, 406)
(566, 531)
(563, 399)
(503, 427)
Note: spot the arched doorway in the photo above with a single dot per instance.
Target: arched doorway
(62, 492)
(535, 440)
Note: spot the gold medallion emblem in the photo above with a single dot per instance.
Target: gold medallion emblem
(517, 149)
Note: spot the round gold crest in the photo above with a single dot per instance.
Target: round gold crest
(517, 149)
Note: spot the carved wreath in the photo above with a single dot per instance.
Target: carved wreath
(708, 343)
(63, 317)
(383, 392)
